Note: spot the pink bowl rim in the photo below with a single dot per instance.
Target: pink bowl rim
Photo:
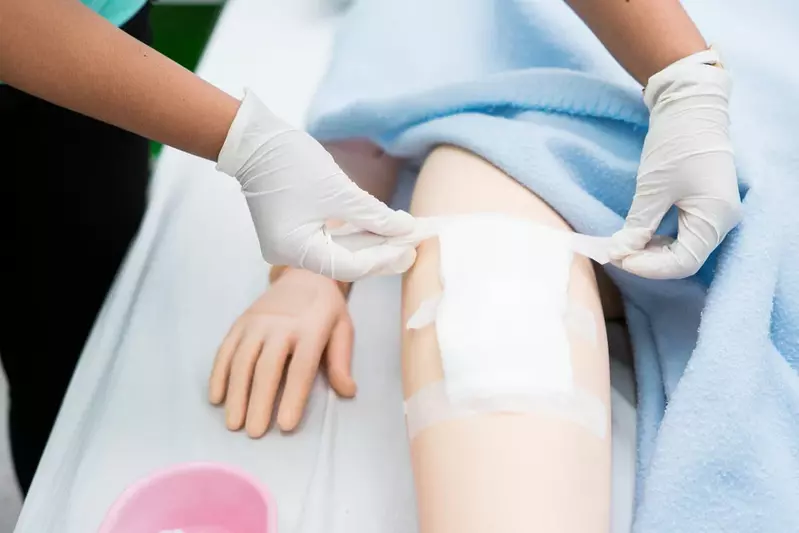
(127, 495)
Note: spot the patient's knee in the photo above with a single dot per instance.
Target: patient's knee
(496, 290)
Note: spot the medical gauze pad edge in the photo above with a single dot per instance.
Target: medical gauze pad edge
(502, 322)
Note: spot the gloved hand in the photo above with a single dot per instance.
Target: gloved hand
(687, 161)
(293, 186)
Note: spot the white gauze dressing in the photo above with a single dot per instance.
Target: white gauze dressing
(497, 291)
(503, 321)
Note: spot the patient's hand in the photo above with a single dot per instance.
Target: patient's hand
(301, 317)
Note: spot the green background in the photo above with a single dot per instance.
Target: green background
(180, 31)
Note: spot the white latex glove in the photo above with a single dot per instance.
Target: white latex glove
(293, 186)
(687, 161)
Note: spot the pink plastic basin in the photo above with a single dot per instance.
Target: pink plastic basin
(194, 498)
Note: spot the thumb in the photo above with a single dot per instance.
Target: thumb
(649, 206)
(334, 261)
(339, 359)
(671, 261)
(363, 210)
(676, 259)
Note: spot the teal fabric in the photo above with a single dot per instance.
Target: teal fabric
(118, 12)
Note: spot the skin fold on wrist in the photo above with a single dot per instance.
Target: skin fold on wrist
(279, 270)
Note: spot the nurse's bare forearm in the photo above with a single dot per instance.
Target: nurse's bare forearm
(62, 52)
(645, 36)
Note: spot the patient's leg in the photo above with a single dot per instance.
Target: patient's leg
(503, 473)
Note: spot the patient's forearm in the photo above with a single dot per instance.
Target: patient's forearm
(62, 52)
(645, 36)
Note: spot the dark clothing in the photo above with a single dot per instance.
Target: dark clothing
(72, 195)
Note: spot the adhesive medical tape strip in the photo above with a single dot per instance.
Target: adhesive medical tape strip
(595, 248)
(431, 406)
(355, 239)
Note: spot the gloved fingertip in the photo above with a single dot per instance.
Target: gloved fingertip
(405, 261)
(628, 241)
(617, 263)
(400, 223)
(659, 265)
(641, 267)
(394, 260)
(617, 252)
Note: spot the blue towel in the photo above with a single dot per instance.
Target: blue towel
(528, 87)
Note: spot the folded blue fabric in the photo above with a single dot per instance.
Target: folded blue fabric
(528, 87)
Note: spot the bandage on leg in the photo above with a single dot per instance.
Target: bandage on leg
(510, 435)
(502, 323)
(432, 405)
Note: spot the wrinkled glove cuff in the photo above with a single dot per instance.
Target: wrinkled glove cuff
(253, 126)
(690, 70)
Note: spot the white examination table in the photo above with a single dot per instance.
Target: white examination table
(138, 400)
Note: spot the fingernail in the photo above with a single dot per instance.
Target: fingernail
(256, 431)
(233, 424)
(286, 420)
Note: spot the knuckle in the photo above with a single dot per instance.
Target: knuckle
(241, 322)
(306, 364)
(271, 324)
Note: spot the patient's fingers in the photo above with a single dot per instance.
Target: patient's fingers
(217, 383)
(339, 358)
(266, 380)
(238, 391)
(301, 375)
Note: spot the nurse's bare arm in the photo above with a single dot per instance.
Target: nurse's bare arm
(645, 36)
(63, 52)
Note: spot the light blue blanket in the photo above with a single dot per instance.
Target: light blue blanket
(528, 87)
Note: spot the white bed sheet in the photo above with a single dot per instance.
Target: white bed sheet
(138, 399)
